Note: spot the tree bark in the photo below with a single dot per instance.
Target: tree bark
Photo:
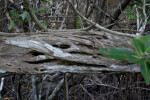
(76, 52)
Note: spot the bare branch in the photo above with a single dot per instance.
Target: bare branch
(142, 28)
(33, 16)
(118, 11)
(98, 26)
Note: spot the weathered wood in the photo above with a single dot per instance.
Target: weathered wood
(75, 52)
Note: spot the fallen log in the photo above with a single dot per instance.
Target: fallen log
(73, 52)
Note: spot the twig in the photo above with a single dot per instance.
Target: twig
(1, 85)
(87, 92)
(55, 91)
(51, 79)
(64, 18)
(142, 28)
(98, 26)
(34, 87)
(118, 11)
(66, 86)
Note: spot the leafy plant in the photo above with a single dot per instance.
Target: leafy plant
(141, 55)
(17, 18)
(130, 12)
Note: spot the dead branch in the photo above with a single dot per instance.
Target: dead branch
(33, 16)
(74, 52)
(98, 26)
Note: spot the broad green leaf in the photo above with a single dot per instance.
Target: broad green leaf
(147, 45)
(144, 38)
(145, 71)
(116, 53)
(138, 45)
(134, 59)
(11, 25)
(24, 15)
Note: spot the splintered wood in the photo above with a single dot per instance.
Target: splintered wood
(74, 52)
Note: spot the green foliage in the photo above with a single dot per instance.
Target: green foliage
(138, 45)
(24, 15)
(141, 56)
(13, 12)
(116, 53)
(37, 10)
(16, 17)
(145, 71)
(131, 13)
(11, 25)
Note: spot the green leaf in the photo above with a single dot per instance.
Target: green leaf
(19, 20)
(148, 59)
(42, 8)
(138, 45)
(143, 39)
(24, 15)
(36, 27)
(147, 45)
(11, 25)
(12, 12)
(145, 71)
(134, 59)
(116, 53)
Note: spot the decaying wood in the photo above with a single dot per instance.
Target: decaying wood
(75, 52)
